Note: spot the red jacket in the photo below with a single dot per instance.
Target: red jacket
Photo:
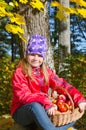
(26, 91)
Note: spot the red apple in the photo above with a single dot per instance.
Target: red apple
(59, 101)
(62, 97)
(63, 107)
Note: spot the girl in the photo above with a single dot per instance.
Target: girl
(31, 82)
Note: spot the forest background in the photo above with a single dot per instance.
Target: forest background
(13, 40)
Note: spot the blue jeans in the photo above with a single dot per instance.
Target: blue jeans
(35, 112)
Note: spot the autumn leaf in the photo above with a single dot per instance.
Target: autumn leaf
(16, 3)
(6, 68)
(82, 60)
(37, 4)
(82, 12)
(55, 4)
(2, 9)
(3, 4)
(60, 15)
(23, 1)
(67, 10)
(2, 12)
(63, 10)
(79, 2)
(73, 11)
(22, 38)
(15, 29)
(18, 19)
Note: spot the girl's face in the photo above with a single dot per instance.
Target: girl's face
(35, 60)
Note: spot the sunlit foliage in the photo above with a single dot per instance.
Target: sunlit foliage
(6, 71)
(75, 71)
(8, 10)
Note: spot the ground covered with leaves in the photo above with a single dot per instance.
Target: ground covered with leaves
(6, 122)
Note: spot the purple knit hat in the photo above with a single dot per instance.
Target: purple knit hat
(37, 45)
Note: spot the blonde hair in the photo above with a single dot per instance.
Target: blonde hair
(27, 69)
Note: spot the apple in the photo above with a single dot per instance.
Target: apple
(63, 107)
(62, 97)
(59, 101)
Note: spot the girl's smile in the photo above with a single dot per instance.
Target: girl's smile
(34, 60)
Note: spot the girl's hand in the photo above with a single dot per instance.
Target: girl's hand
(82, 106)
(52, 110)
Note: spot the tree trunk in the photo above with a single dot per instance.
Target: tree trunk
(64, 37)
(37, 22)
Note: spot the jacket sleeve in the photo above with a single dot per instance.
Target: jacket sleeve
(75, 94)
(22, 92)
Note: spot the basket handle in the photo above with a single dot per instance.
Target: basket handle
(69, 96)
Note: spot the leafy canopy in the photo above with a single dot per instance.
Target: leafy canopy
(79, 9)
(8, 10)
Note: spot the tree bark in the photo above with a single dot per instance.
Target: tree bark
(64, 37)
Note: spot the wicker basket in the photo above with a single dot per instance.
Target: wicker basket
(62, 118)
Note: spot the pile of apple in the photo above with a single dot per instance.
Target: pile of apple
(63, 103)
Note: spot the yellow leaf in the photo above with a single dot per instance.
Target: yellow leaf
(73, 11)
(7, 68)
(2, 15)
(23, 1)
(71, 128)
(37, 4)
(82, 12)
(15, 29)
(12, 65)
(2, 8)
(21, 37)
(3, 4)
(55, 4)
(62, 9)
(67, 10)
(16, 3)
(75, 1)
(17, 19)
(60, 15)
(82, 59)
(9, 14)
(79, 2)
(2, 12)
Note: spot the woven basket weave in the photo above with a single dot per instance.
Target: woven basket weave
(62, 118)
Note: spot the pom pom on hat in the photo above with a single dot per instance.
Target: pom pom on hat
(37, 45)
